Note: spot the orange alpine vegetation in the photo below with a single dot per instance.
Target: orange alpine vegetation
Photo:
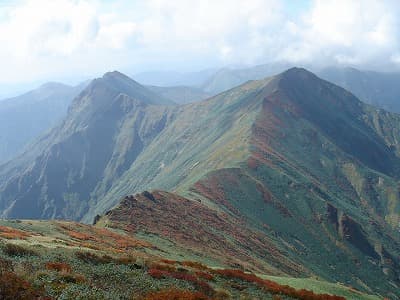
(182, 275)
(101, 238)
(12, 233)
(274, 287)
(196, 227)
(59, 267)
(175, 294)
(14, 287)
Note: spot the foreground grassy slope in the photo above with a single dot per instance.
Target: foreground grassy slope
(202, 230)
(67, 260)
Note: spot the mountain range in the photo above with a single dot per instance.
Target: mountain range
(376, 88)
(24, 118)
(290, 175)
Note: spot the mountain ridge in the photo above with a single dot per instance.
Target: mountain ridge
(298, 160)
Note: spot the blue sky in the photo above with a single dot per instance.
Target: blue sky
(296, 8)
(74, 39)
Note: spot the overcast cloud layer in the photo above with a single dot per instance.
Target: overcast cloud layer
(54, 39)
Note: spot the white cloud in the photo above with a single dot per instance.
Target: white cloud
(40, 38)
(48, 39)
(359, 32)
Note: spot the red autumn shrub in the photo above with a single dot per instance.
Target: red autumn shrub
(204, 275)
(59, 267)
(204, 287)
(13, 287)
(168, 268)
(198, 284)
(168, 261)
(194, 264)
(276, 288)
(158, 274)
(79, 235)
(174, 294)
(125, 260)
(183, 276)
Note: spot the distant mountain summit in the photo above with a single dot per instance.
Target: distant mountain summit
(376, 88)
(24, 118)
(300, 164)
(107, 125)
(227, 78)
(125, 85)
(380, 89)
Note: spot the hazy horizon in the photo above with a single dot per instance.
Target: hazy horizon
(71, 41)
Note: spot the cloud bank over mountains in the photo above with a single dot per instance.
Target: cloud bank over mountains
(43, 39)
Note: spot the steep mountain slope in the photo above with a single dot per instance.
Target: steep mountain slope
(300, 163)
(203, 137)
(107, 126)
(376, 88)
(25, 117)
(323, 176)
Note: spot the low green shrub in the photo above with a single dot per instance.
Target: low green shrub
(17, 250)
(92, 258)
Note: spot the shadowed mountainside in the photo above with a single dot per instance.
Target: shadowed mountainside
(24, 118)
(376, 88)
